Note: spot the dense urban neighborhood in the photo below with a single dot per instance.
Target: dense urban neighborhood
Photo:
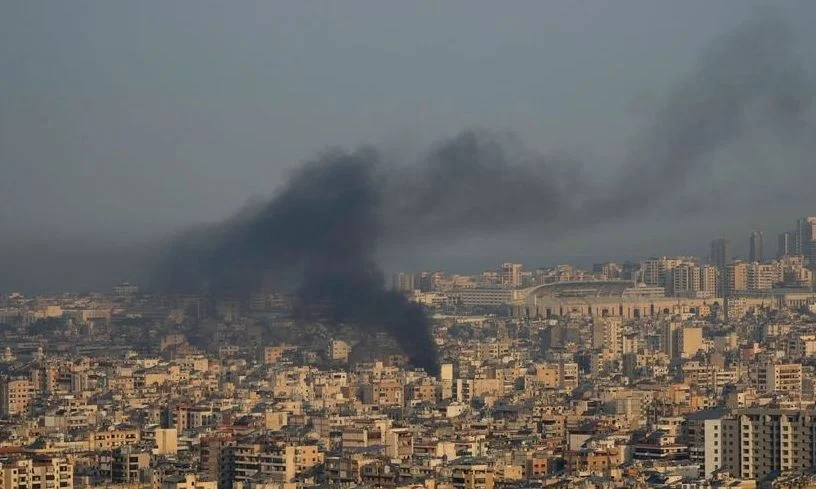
(671, 372)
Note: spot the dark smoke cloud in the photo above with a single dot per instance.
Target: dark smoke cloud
(319, 236)
(750, 78)
(480, 181)
(321, 233)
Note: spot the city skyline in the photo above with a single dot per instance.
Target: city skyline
(408, 245)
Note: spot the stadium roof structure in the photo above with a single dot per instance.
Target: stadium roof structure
(586, 289)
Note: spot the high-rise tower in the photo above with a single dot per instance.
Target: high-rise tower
(757, 247)
(720, 252)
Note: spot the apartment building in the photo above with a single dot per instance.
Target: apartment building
(385, 392)
(694, 281)
(468, 474)
(27, 473)
(770, 376)
(485, 297)
(15, 396)
(113, 438)
(272, 462)
(657, 272)
(754, 443)
(607, 334)
(743, 277)
(188, 481)
(129, 465)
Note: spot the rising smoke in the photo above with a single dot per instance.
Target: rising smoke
(322, 232)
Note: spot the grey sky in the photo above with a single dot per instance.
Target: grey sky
(125, 119)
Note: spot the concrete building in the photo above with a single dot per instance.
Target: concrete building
(510, 275)
(694, 281)
(744, 277)
(778, 377)
(764, 276)
(188, 481)
(607, 334)
(486, 296)
(689, 341)
(785, 244)
(657, 272)
(113, 438)
(166, 441)
(471, 474)
(385, 392)
(129, 465)
(608, 299)
(25, 473)
(805, 238)
(756, 247)
(736, 278)
(754, 443)
(568, 375)
(668, 340)
(678, 341)
(563, 376)
(270, 462)
(685, 280)
(15, 396)
(720, 252)
(339, 350)
(404, 282)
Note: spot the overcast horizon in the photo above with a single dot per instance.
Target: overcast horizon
(122, 124)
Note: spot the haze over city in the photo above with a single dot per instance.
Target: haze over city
(124, 125)
(281, 244)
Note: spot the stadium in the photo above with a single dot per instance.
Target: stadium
(613, 298)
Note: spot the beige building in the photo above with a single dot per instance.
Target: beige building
(764, 276)
(679, 341)
(485, 296)
(53, 473)
(563, 376)
(385, 392)
(15, 396)
(510, 274)
(743, 277)
(689, 280)
(113, 438)
(189, 481)
(272, 463)
(778, 377)
(657, 272)
(753, 443)
(544, 375)
(690, 341)
(568, 375)
(129, 465)
(736, 278)
(616, 298)
(273, 354)
(472, 476)
(607, 334)
(802, 346)
(166, 441)
(339, 350)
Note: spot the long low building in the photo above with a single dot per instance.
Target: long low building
(487, 296)
(615, 298)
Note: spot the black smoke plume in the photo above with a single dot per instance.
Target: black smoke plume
(322, 232)
(318, 235)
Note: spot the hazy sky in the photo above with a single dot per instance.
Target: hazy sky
(120, 120)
